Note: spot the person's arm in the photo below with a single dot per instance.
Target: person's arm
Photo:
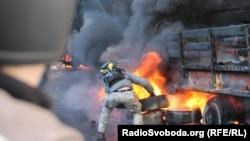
(142, 82)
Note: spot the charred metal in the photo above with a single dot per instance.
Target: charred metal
(216, 61)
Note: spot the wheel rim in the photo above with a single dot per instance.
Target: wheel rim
(211, 114)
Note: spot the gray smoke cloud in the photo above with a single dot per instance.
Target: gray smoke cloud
(124, 31)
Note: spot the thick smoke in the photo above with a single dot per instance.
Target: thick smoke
(124, 30)
(153, 26)
(103, 26)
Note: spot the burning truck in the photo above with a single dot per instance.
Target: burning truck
(216, 61)
(203, 80)
(214, 65)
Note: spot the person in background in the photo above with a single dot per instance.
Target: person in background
(32, 34)
(118, 86)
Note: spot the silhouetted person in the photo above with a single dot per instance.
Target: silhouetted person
(32, 34)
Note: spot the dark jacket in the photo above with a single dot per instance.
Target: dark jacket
(130, 79)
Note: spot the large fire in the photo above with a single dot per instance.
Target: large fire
(149, 70)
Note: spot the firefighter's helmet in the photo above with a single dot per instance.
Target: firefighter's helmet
(111, 73)
(108, 66)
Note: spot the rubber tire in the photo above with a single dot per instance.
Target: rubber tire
(154, 117)
(187, 116)
(154, 103)
(218, 111)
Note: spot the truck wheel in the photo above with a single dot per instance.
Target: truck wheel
(154, 117)
(154, 103)
(218, 111)
(183, 116)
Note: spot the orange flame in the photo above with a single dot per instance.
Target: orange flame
(149, 70)
(67, 58)
(101, 94)
(189, 98)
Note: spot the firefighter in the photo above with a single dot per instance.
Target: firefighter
(33, 33)
(118, 86)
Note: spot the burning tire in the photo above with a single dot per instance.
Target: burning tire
(218, 111)
(154, 117)
(154, 103)
(183, 116)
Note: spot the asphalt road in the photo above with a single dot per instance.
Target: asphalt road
(76, 102)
